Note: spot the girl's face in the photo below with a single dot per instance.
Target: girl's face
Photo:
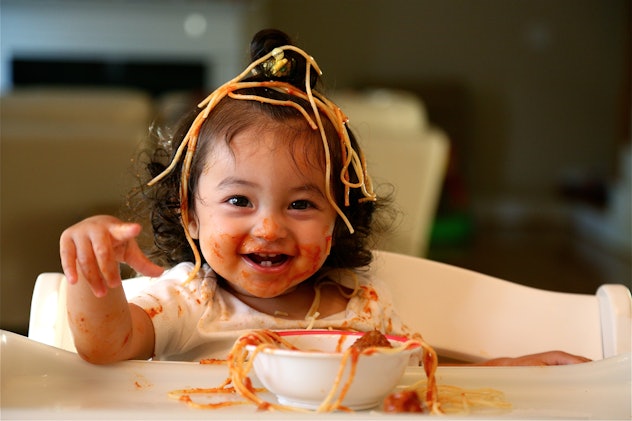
(261, 214)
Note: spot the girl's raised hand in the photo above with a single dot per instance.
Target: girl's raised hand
(94, 248)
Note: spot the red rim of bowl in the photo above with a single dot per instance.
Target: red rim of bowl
(308, 332)
(322, 354)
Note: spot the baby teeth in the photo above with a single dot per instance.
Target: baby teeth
(263, 258)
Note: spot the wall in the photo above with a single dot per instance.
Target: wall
(543, 86)
(212, 32)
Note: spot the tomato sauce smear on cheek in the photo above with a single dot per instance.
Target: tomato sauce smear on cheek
(315, 254)
(227, 241)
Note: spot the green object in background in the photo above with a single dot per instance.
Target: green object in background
(451, 229)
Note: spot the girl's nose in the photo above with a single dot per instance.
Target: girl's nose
(269, 229)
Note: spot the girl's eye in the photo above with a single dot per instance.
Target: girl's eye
(301, 205)
(240, 201)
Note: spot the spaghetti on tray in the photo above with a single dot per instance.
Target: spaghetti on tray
(422, 396)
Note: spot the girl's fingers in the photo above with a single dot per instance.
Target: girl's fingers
(107, 262)
(95, 247)
(88, 266)
(124, 232)
(68, 256)
(139, 262)
(133, 255)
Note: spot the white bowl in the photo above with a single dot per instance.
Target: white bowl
(305, 377)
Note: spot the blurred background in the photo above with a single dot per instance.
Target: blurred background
(533, 96)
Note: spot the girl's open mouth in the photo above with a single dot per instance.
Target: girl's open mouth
(267, 259)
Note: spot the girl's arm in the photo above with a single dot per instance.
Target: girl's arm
(543, 358)
(105, 327)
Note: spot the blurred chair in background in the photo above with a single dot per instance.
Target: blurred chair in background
(403, 150)
(66, 155)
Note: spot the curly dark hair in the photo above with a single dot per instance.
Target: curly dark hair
(228, 118)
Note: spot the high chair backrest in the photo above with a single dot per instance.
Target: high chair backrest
(470, 316)
(464, 315)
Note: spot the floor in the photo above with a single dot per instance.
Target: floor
(551, 258)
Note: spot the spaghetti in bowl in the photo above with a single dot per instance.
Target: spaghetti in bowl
(318, 369)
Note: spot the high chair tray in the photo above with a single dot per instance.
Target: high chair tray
(42, 382)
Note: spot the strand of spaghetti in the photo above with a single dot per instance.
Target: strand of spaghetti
(430, 363)
(357, 167)
(308, 91)
(345, 149)
(368, 192)
(319, 283)
(240, 370)
(354, 355)
(236, 370)
(456, 400)
(184, 396)
(340, 129)
(217, 96)
(317, 294)
(284, 87)
(315, 303)
(175, 394)
(275, 102)
(412, 343)
(184, 202)
(218, 405)
(325, 406)
(312, 320)
(350, 155)
(345, 146)
(367, 187)
(174, 161)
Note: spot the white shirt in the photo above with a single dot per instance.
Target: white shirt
(202, 320)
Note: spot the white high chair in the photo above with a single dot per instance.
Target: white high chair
(464, 315)
(470, 316)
